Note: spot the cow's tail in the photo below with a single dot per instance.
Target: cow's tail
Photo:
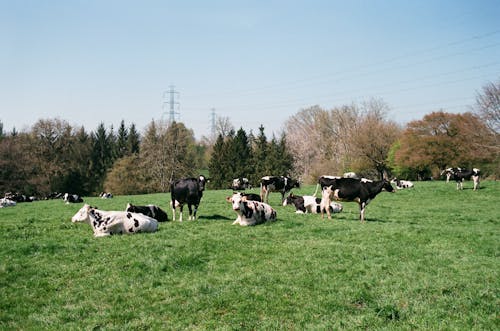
(316, 191)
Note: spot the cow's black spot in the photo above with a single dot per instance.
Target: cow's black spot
(131, 230)
(129, 215)
(136, 223)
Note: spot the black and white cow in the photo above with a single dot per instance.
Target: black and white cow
(250, 212)
(106, 195)
(187, 190)
(250, 196)
(350, 189)
(18, 197)
(150, 210)
(309, 204)
(72, 198)
(282, 184)
(459, 175)
(5, 202)
(402, 184)
(107, 223)
(324, 181)
(240, 183)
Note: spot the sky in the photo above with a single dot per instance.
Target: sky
(252, 62)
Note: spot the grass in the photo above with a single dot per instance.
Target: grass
(427, 258)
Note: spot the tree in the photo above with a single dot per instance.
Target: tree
(121, 141)
(126, 177)
(488, 107)
(133, 140)
(216, 165)
(443, 139)
(102, 156)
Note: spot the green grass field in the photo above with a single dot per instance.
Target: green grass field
(427, 258)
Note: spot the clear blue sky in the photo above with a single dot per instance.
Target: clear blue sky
(255, 62)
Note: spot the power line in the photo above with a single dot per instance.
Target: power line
(172, 94)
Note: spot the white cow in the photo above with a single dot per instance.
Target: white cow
(4, 202)
(106, 223)
(309, 204)
(250, 212)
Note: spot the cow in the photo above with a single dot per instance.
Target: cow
(107, 223)
(324, 181)
(150, 210)
(105, 195)
(350, 189)
(282, 184)
(251, 196)
(187, 190)
(350, 174)
(5, 202)
(460, 175)
(18, 197)
(72, 198)
(250, 212)
(402, 184)
(240, 183)
(448, 172)
(309, 204)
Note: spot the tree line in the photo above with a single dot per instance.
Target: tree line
(53, 156)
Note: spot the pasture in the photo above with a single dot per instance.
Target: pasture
(427, 258)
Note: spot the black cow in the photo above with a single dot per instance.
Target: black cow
(187, 190)
(351, 189)
(282, 184)
(150, 210)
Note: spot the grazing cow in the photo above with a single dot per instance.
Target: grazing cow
(72, 198)
(460, 175)
(401, 184)
(105, 195)
(240, 183)
(282, 184)
(250, 212)
(187, 190)
(150, 210)
(4, 202)
(309, 204)
(350, 189)
(107, 223)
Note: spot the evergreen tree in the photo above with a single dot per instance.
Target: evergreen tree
(260, 154)
(216, 164)
(242, 153)
(102, 156)
(121, 141)
(133, 140)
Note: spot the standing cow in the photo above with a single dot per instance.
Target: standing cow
(187, 190)
(282, 184)
(350, 189)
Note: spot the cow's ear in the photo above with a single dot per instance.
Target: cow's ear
(244, 198)
(228, 199)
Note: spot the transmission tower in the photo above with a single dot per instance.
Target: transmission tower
(169, 98)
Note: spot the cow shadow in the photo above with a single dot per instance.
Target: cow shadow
(215, 217)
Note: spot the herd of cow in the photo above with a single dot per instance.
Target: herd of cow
(250, 208)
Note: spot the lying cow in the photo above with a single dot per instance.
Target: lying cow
(72, 198)
(402, 184)
(350, 189)
(250, 212)
(4, 202)
(309, 204)
(150, 210)
(106, 223)
(106, 195)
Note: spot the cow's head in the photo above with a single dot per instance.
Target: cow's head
(82, 215)
(236, 200)
(388, 187)
(289, 199)
(202, 181)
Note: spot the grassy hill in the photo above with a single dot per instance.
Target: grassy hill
(427, 258)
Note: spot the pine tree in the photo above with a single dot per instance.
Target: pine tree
(216, 164)
(133, 140)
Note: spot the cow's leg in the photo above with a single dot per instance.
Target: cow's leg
(362, 207)
(181, 208)
(195, 211)
(190, 217)
(173, 209)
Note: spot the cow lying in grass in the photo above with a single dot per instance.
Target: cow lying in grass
(150, 210)
(250, 212)
(107, 223)
(309, 204)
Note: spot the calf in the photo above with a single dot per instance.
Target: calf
(107, 223)
(72, 198)
(309, 204)
(350, 189)
(150, 210)
(250, 212)
(282, 184)
(187, 190)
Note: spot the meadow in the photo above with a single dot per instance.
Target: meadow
(426, 259)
